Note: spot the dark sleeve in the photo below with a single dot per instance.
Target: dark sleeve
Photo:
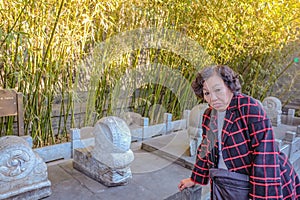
(200, 171)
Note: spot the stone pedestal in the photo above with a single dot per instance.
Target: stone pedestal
(108, 161)
(23, 174)
(291, 116)
(85, 162)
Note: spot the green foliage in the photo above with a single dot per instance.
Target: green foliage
(43, 44)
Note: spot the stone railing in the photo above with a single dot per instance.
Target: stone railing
(289, 118)
(141, 130)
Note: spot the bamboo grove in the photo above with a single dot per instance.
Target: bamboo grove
(45, 46)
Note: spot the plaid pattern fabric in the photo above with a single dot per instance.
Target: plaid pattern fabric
(248, 147)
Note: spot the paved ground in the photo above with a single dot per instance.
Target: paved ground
(155, 174)
(154, 178)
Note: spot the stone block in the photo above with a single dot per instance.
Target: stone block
(290, 117)
(23, 174)
(144, 121)
(81, 138)
(298, 131)
(136, 134)
(290, 136)
(55, 152)
(168, 121)
(75, 134)
(167, 117)
(178, 125)
(93, 168)
(154, 130)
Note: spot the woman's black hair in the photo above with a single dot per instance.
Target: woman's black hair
(230, 78)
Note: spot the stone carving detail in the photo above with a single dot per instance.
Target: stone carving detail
(109, 160)
(22, 172)
(194, 127)
(272, 105)
(14, 165)
(112, 142)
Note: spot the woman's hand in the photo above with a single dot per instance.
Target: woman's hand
(185, 183)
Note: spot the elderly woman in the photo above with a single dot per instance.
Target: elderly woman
(238, 153)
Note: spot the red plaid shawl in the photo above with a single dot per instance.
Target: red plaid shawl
(249, 148)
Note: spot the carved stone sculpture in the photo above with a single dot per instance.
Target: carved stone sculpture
(23, 174)
(272, 105)
(194, 127)
(132, 119)
(109, 160)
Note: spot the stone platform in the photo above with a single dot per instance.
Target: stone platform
(153, 178)
(173, 147)
(159, 164)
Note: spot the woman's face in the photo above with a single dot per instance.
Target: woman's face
(216, 93)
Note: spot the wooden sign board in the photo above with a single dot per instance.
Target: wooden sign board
(8, 103)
